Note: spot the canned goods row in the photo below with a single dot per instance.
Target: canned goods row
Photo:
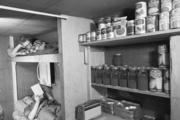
(143, 78)
(154, 7)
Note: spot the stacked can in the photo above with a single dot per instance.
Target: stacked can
(140, 14)
(164, 21)
(175, 15)
(153, 7)
(130, 27)
(109, 28)
(152, 23)
(156, 80)
(119, 26)
(166, 5)
(163, 60)
(101, 26)
(175, 18)
(176, 4)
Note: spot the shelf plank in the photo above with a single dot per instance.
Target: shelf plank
(144, 38)
(38, 58)
(158, 94)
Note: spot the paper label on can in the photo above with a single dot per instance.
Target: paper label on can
(140, 26)
(141, 10)
(153, 7)
(166, 5)
(155, 80)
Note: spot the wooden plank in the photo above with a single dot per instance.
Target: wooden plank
(32, 12)
(38, 58)
(158, 94)
(74, 69)
(175, 76)
(134, 39)
(13, 68)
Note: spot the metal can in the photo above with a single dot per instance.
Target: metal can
(104, 34)
(110, 32)
(153, 7)
(88, 36)
(175, 18)
(93, 36)
(80, 38)
(166, 80)
(140, 26)
(152, 23)
(176, 4)
(108, 21)
(120, 28)
(164, 21)
(141, 10)
(101, 24)
(98, 35)
(130, 27)
(166, 5)
(155, 83)
(163, 60)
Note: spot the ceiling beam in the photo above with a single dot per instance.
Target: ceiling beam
(32, 12)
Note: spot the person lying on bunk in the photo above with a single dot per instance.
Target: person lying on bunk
(43, 107)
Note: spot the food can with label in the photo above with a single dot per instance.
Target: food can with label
(163, 60)
(103, 34)
(164, 21)
(80, 38)
(140, 26)
(98, 35)
(110, 32)
(108, 22)
(166, 5)
(93, 36)
(166, 80)
(176, 4)
(153, 7)
(155, 83)
(88, 36)
(101, 24)
(175, 18)
(120, 28)
(141, 10)
(152, 23)
(130, 27)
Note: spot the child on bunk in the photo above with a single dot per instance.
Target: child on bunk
(38, 107)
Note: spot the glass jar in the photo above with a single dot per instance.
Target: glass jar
(142, 78)
(123, 77)
(132, 77)
(106, 75)
(117, 59)
(115, 75)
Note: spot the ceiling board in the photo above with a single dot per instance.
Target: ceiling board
(81, 8)
(15, 23)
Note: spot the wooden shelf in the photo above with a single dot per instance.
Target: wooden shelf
(38, 58)
(144, 38)
(158, 94)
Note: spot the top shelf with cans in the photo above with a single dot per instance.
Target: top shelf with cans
(143, 38)
(155, 20)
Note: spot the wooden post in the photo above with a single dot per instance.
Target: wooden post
(175, 77)
(13, 67)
